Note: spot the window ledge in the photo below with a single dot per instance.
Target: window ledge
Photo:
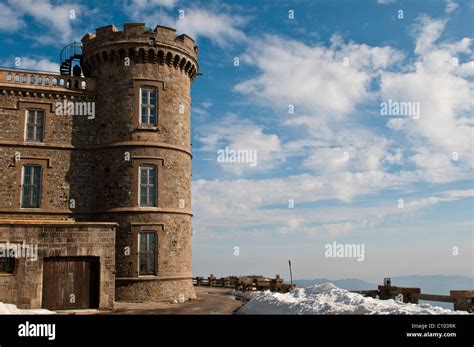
(148, 128)
(32, 142)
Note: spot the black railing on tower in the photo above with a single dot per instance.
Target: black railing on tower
(71, 52)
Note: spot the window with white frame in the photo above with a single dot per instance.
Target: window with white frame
(147, 253)
(148, 186)
(148, 106)
(35, 125)
(31, 187)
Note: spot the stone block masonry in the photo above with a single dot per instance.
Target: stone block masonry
(90, 167)
(55, 239)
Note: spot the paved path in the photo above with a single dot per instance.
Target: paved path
(209, 301)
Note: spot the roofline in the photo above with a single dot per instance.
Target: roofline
(30, 70)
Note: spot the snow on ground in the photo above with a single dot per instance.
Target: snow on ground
(12, 309)
(328, 299)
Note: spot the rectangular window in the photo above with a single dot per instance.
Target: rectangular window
(7, 263)
(148, 186)
(35, 125)
(148, 106)
(147, 253)
(31, 187)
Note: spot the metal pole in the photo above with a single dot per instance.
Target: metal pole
(291, 274)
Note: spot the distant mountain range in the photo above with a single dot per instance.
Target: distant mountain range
(429, 284)
(348, 283)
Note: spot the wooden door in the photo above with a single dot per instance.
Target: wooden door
(70, 283)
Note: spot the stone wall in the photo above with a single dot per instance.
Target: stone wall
(54, 239)
(84, 159)
(122, 62)
(175, 290)
(65, 155)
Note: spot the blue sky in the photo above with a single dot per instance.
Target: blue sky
(343, 164)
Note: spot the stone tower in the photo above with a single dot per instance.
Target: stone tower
(142, 155)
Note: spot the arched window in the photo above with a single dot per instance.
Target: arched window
(182, 64)
(17, 78)
(161, 57)
(9, 77)
(24, 79)
(61, 82)
(83, 85)
(55, 82)
(40, 80)
(169, 58)
(32, 79)
(46, 81)
(151, 56)
(141, 55)
(131, 55)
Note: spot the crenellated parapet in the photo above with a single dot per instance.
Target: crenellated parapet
(159, 46)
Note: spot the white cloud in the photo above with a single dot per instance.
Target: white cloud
(32, 63)
(450, 6)
(219, 26)
(384, 2)
(315, 79)
(327, 96)
(465, 69)
(242, 204)
(10, 20)
(396, 157)
(147, 4)
(54, 17)
(354, 151)
(426, 32)
(445, 95)
(202, 110)
(39, 64)
(325, 85)
(443, 197)
(217, 196)
(241, 134)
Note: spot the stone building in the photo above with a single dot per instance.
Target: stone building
(95, 171)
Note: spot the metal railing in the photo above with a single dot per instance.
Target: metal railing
(71, 51)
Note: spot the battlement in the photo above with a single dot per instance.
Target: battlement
(137, 32)
(159, 46)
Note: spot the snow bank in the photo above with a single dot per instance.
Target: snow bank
(12, 309)
(328, 299)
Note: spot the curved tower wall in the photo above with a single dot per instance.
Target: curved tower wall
(123, 62)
